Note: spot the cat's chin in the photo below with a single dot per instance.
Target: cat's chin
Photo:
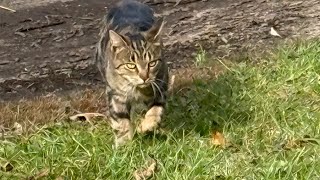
(143, 86)
(145, 90)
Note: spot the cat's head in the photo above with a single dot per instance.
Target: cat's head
(137, 58)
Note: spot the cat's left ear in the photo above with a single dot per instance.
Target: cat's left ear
(154, 33)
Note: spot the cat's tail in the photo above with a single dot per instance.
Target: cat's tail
(99, 62)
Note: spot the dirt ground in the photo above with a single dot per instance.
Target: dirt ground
(47, 46)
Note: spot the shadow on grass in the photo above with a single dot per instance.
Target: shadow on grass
(210, 105)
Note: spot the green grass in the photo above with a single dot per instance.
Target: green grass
(269, 112)
(201, 57)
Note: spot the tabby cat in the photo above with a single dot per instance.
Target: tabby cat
(129, 57)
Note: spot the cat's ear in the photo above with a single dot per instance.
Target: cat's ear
(154, 33)
(116, 40)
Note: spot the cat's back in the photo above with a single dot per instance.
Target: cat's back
(130, 13)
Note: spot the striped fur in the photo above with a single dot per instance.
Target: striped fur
(129, 57)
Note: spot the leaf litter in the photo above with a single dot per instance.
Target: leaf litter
(41, 174)
(218, 139)
(87, 117)
(6, 166)
(298, 143)
(17, 129)
(145, 173)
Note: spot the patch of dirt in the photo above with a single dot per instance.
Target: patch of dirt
(49, 47)
(23, 4)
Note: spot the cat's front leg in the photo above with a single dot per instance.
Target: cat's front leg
(152, 119)
(119, 115)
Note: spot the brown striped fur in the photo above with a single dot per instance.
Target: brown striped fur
(129, 57)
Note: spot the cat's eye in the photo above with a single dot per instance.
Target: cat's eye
(130, 66)
(153, 63)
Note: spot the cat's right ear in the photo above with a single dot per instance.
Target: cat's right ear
(116, 40)
(153, 34)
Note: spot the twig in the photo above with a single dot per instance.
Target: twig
(6, 8)
(24, 29)
(171, 83)
(176, 2)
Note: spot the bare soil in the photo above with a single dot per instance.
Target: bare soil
(47, 46)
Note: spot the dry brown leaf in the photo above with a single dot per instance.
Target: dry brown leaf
(141, 174)
(218, 139)
(40, 174)
(86, 117)
(59, 178)
(6, 167)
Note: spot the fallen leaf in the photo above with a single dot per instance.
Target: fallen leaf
(6, 167)
(17, 128)
(291, 144)
(40, 174)
(146, 173)
(298, 143)
(86, 117)
(218, 139)
(273, 32)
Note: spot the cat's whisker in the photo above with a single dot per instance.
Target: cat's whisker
(160, 80)
(154, 90)
(159, 89)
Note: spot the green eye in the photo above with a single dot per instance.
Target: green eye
(153, 63)
(130, 66)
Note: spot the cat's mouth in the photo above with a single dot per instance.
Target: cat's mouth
(146, 89)
(144, 85)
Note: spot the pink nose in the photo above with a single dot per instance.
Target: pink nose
(144, 76)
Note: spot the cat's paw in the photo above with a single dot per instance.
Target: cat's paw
(149, 124)
(123, 132)
(123, 139)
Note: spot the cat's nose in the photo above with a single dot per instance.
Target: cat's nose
(144, 76)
